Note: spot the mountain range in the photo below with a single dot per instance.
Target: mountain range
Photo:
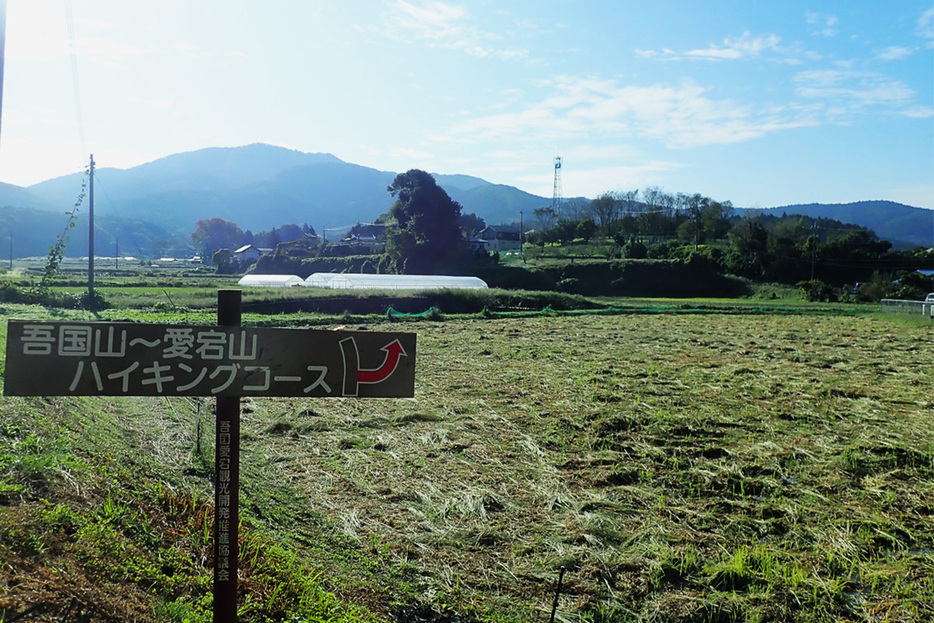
(152, 209)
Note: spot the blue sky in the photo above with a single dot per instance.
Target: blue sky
(763, 103)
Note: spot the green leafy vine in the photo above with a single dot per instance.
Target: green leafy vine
(57, 251)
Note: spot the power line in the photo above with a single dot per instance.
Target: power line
(73, 53)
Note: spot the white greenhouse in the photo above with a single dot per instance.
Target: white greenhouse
(318, 280)
(360, 281)
(270, 281)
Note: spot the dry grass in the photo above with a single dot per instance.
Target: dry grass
(682, 468)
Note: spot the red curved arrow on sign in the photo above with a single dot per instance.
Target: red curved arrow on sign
(394, 352)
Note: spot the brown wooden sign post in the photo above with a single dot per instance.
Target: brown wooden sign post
(227, 361)
(227, 481)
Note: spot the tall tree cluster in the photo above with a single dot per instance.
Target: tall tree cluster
(622, 215)
(214, 234)
(423, 236)
(789, 248)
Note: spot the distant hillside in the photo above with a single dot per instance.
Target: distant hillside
(904, 226)
(261, 186)
(154, 207)
(461, 182)
(28, 232)
(208, 169)
(497, 204)
(19, 197)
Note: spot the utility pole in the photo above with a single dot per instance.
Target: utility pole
(813, 245)
(556, 197)
(522, 235)
(91, 236)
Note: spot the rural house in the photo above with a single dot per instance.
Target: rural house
(247, 254)
(500, 238)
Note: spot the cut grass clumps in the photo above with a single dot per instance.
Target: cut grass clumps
(678, 467)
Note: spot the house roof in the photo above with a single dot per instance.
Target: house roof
(503, 229)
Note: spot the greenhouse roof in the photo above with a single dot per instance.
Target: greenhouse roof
(359, 281)
(270, 281)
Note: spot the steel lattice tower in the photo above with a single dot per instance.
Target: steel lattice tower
(556, 197)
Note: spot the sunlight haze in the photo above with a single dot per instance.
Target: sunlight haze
(758, 102)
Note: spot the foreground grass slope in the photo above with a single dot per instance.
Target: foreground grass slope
(681, 468)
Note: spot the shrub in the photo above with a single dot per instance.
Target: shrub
(635, 249)
(816, 290)
(10, 293)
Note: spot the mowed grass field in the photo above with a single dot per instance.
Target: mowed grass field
(678, 467)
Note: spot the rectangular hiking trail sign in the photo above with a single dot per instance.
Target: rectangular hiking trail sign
(129, 359)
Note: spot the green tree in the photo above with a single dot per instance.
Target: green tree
(546, 217)
(605, 210)
(564, 231)
(423, 236)
(749, 253)
(715, 217)
(224, 262)
(692, 207)
(586, 228)
(471, 223)
(913, 286)
(856, 244)
(269, 239)
(689, 231)
(216, 233)
(634, 249)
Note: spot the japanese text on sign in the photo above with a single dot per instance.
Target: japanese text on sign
(223, 505)
(131, 359)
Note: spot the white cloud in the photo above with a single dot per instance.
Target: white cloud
(531, 169)
(680, 117)
(855, 87)
(895, 53)
(920, 112)
(926, 27)
(432, 15)
(410, 154)
(592, 182)
(733, 49)
(595, 153)
(824, 23)
(445, 26)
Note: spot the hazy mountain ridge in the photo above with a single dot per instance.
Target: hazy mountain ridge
(904, 226)
(12, 195)
(261, 186)
(28, 232)
(462, 182)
